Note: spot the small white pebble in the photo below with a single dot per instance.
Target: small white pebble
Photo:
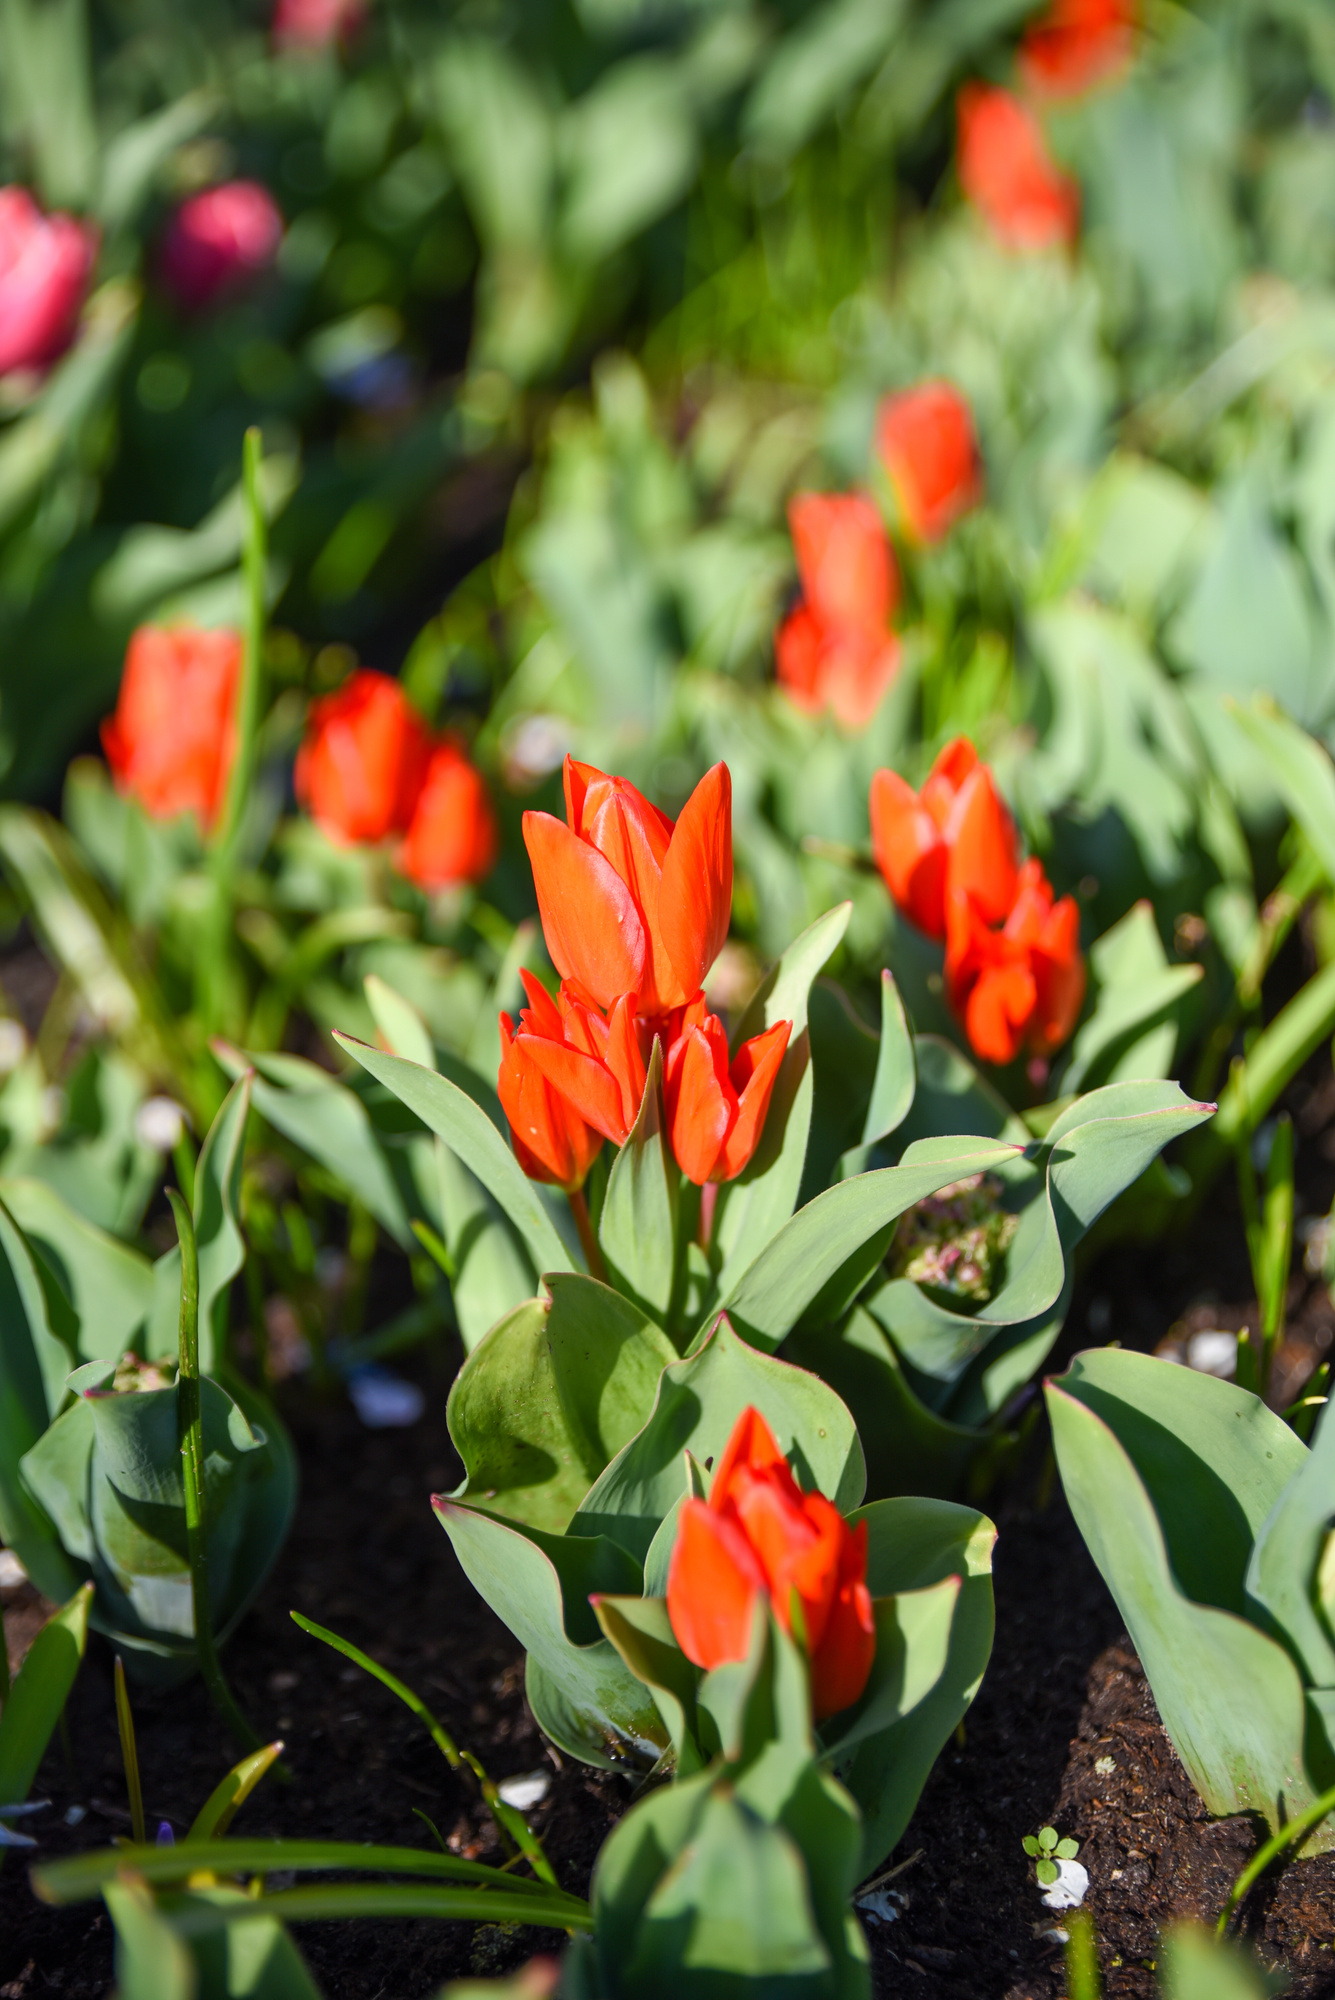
(12, 1572)
(1105, 1766)
(75, 1814)
(883, 1904)
(1213, 1352)
(159, 1122)
(530, 1789)
(13, 1044)
(1068, 1891)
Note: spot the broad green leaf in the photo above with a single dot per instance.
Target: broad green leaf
(32, 1388)
(506, 1420)
(597, 1700)
(492, 1270)
(896, 1079)
(756, 1205)
(810, 1252)
(1196, 1965)
(698, 1402)
(38, 1695)
(909, 1448)
(1229, 1697)
(1287, 1553)
(641, 1631)
(629, 149)
(1134, 986)
(843, 1067)
(242, 1953)
(1300, 769)
(467, 1130)
(109, 1285)
(327, 1120)
(222, 1249)
(606, 1357)
(401, 1026)
(637, 1230)
(152, 1962)
(933, 1560)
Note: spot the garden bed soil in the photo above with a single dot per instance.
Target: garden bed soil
(1064, 1695)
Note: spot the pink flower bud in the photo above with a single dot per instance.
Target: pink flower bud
(46, 262)
(314, 24)
(219, 239)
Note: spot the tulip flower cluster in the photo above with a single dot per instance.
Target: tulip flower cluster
(759, 1535)
(950, 858)
(635, 910)
(368, 770)
(835, 649)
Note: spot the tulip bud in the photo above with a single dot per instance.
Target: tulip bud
(715, 1109)
(552, 1141)
(452, 834)
(46, 262)
(1020, 987)
(925, 440)
(363, 760)
(1076, 45)
(834, 650)
(218, 240)
(314, 24)
(171, 741)
(760, 1534)
(1008, 174)
(954, 834)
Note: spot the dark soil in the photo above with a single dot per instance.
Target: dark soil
(1064, 1694)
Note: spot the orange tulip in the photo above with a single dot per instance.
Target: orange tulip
(834, 650)
(171, 741)
(452, 834)
(596, 1064)
(632, 905)
(551, 1141)
(1008, 174)
(760, 1533)
(1076, 45)
(716, 1110)
(363, 760)
(1020, 986)
(925, 440)
(953, 835)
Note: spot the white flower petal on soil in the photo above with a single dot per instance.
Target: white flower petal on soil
(1068, 1891)
(883, 1904)
(529, 1789)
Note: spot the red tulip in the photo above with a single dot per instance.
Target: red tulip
(1020, 986)
(760, 1533)
(1076, 45)
(631, 904)
(452, 834)
(219, 239)
(955, 834)
(314, 24)
(716, 1110)
(925, 440)
(835, 650)
(551, 1141)
(363, 761)
(172, 738)
(46, 262)
(596, 1064)
(1008, 174)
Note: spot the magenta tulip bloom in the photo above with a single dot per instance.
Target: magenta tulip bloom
(218, 240)
(46, 262)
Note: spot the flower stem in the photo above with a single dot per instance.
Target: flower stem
(190, 1428)
(593, 1256)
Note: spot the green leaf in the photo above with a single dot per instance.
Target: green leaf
(698, 1402)
(34, 1362)
(109, 1285)
(809, 1253)
(1047, 1838)
(539, 1584)
(222, 1249)
(230, 1793)
(1135, 988)
(641, 1631)
(1047, 1872)
(506, 1420)
(896, 1080)
(492, 1270)
(1169, 1474)
(1300, 769)
(843, 1068)
(637, 1230)
(152, 1962)
(755, 1206)
(1284, 1560)
(455, 1118)
(402, 1027)
(1198, 1966)
(1030, 1845)
(1066, 1850)
(38, 1695)
(327, 1120)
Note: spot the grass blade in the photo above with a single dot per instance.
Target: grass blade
(129, 1754)
(220, 1808)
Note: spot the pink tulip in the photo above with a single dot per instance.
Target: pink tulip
(219, 239)
(46, 262)
(314, 24)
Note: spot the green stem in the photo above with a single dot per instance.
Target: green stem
(129, 1753)
(190, 1429)
(593, 1256)
(1082, 1958)
(1288, 1836)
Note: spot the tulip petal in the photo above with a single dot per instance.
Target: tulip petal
(698, 1106)
(753, 1075)
(841, 1664)
(981, 847)
(909, 852)
(752, 1445)
(589, 919)
(998, 1010)
(583, 1082)
(713, 1582)
(695, 898)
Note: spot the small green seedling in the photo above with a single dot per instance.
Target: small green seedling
(1046, 1848)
